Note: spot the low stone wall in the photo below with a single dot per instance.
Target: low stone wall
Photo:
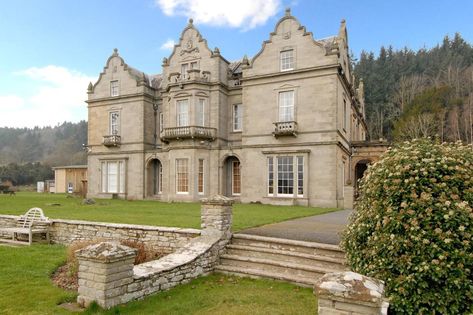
(107, 274)
(163, 239)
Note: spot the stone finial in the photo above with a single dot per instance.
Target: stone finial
(191, 21)
(288, 11)
(115, 52)
(165, 61)
(216, 51)
(245, 60)
(90, 88)
(343, 21)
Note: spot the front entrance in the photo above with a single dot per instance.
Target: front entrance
(360, 169)
(232, 177)
(155, 178)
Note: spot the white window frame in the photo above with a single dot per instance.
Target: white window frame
(106, 177)
(286, 59)
(186, 179)
(114, 88)
(200, 112)
(286, 106)
(114, 124)
(182, 117)
(237, 114)
(297, 182)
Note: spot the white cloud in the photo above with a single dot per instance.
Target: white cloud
(58, 95)
(168, 45)
(244, 14)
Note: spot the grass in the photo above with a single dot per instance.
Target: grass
(147, 212)
(27, 289)
(24, 280)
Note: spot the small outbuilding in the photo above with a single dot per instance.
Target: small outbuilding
(71, 179)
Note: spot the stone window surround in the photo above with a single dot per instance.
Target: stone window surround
(200, 176)
(280, 93)
(110, 123)
(286, 88)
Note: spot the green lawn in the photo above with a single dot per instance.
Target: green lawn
(27, 289)
(147, 212)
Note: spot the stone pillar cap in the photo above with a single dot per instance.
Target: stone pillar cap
(106, 252)
(218, 200)
(352, 286)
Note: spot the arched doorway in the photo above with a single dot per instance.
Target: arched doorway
(360, 168)
(155, 178)
(231, 176)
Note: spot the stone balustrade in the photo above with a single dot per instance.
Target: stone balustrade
(188, 132)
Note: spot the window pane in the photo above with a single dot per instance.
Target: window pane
(184, 68)
(114, 123)
(270, 176)
(182, 113)
(182, 175)
(287, 60)
(200, 180)
(104, 177)
(237, 117)
(236, 179)
(121, 178)
(114, 88)
(285, 175)
(112, 177)
(286, 106)
(300, 175)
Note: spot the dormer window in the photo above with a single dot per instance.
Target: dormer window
(287, 60)
(114, 88)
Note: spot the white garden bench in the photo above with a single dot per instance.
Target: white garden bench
(32, 222)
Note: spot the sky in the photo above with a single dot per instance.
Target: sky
(51, 49)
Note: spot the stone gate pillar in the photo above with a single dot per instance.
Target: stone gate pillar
(105, 270)
(349, 293)
(216, 214)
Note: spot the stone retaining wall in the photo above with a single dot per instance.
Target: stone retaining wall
(163, 239)
(107, 274)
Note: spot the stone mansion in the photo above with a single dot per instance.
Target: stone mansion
(279, 128)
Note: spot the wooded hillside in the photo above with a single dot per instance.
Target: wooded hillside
(414, 94)
(53, 146)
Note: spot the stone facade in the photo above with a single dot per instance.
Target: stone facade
(349, 293)
(107, 274)
(277, 128)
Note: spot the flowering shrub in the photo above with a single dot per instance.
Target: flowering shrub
(413, 227)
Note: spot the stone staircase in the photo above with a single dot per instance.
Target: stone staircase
(281, 259)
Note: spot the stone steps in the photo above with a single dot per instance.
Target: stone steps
(288, 260)
(313, 248)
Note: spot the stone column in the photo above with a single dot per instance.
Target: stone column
(216, 214)
(349, 293)
(105, 270)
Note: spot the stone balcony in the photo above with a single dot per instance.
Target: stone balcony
(188, 132)
(285, 128)
(112, 140)
(193, 75)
